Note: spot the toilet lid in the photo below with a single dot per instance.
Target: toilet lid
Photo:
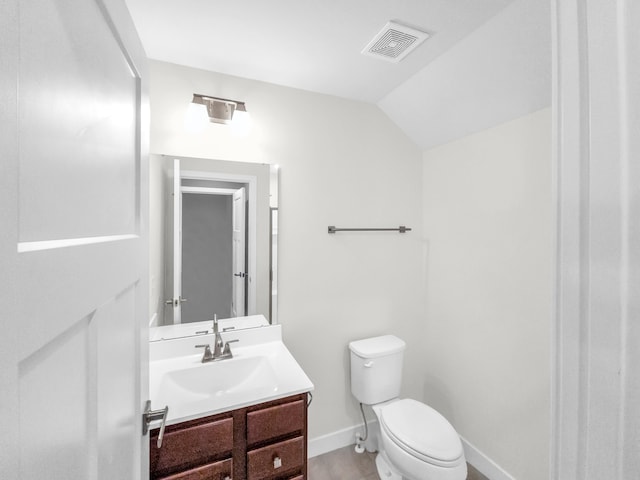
(421, 431)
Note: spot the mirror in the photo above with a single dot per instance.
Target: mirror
(213, 243)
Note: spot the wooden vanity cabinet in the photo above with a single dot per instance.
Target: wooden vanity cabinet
(267, 441)
(201, 448)
(277, 440)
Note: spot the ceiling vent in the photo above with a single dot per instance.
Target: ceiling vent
(394, 42)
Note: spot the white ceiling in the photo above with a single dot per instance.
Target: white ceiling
(316, 45)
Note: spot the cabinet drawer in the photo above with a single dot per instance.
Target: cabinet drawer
(275, 421)
(216, 471)
(190, 447)
(261, 462)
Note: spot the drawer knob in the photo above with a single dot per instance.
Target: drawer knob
(277, 462)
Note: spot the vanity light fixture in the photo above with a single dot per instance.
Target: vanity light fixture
(220, 110)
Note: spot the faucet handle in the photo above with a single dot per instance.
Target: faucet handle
(207, 352)
(227, 347)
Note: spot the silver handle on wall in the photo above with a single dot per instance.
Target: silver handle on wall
(175, 301)
(152, 415)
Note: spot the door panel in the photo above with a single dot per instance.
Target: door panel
(88, 398)
(73, 104)
(73, 251)
(117, 424)
(54, 423)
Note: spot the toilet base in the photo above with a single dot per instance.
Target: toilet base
(385, 472)
(405, 466)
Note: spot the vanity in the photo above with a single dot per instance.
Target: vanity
(240, 418)
(264, 441)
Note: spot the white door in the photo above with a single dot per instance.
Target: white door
(239, 254)
(176, 290)
(73, 241)
(596, 431)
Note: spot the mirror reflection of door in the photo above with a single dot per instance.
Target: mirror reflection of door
(239, 254)
(210, 250)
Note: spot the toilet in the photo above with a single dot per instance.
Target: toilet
(415, 442)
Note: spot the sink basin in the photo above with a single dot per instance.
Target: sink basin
(262, 369)
(238, 375)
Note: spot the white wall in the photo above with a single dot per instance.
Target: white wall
(343, 163)
(486, 344)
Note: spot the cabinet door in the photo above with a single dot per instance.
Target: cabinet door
(216, 471)
(276, 421)
(188, 447)
(275, 460)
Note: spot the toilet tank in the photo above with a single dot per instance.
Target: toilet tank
(376, 368)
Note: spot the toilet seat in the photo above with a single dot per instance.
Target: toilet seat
(422, 432)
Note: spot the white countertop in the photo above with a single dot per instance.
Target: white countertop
(262, 369)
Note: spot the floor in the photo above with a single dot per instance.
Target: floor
(346, 464)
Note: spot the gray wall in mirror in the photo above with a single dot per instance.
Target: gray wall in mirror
(206, 256)
(161, 242)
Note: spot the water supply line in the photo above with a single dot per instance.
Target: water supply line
(360, 440)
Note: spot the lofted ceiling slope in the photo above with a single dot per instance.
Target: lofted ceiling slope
(499, 72)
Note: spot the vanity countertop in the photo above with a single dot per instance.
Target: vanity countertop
(262, 369)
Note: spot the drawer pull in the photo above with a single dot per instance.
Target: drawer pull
(277, 462)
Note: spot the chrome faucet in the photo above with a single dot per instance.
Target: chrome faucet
(221, 350)
(219, 344)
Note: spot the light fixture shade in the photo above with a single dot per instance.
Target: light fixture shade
(219, 110)
(241, 125)
(196, 118)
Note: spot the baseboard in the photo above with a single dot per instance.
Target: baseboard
(335, 440)
(332, 441)
(482, 463)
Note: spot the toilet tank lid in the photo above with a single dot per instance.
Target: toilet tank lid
(377, 346)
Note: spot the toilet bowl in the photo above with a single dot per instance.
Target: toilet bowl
(415, 442)
(419, 443)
